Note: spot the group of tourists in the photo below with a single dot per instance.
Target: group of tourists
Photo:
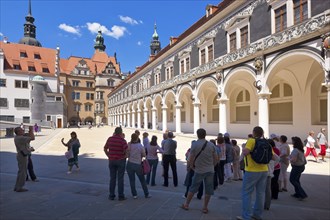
(209, 164)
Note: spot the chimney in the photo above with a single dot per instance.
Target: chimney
(173, 40)
(137, 68)
(210, 9)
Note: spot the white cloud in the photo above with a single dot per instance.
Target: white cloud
(1, 34)
(139, 43)
(128, 20)
(70, 29)
(115, 32)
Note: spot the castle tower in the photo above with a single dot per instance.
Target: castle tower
(99, 42)
(155, 43)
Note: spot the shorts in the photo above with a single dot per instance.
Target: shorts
(208, 182)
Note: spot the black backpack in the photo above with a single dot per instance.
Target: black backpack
(262, 152)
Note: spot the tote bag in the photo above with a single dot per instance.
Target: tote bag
(145, 167)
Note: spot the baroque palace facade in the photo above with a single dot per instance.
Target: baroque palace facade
(38, 86)
(244, 63)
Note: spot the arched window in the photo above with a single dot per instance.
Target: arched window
(280, 104)
(242, 107)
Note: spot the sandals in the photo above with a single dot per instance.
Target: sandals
(185, 207)
(205, 210)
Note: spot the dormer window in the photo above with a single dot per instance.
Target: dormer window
(16, 65)
(45, 68)
(31, 67)
(23, 54)
(37, 56)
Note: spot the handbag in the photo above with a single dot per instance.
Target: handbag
(69, 154)
(145, 167)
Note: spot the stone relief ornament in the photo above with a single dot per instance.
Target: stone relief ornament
(258, 64)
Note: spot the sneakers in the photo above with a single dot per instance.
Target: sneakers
(69, 172)
(122, 198)
(148, 196)
(35, 180)
(135, 197)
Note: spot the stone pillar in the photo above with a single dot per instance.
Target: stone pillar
(164, 118)
(223, 116)
(263, 113)
(138, 118)
(328, 113)
(154, 121)
(124, 120)
(129, 118)
(145, 118)
(133, 118)
(178, 118)
(197, 123)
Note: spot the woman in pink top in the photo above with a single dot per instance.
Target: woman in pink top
(153, 149)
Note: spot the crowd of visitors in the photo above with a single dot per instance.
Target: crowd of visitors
(210, 164)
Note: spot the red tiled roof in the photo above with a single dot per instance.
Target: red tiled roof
(99, 59)
(12, 55)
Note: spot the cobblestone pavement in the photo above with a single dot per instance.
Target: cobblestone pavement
(84, 194)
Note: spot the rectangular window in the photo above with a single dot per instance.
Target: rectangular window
(182, 66)
(75, 95)
(244, 37)
(232, 42)
(210, 53)
(22, 103)
(16, 65)
(58, 99)
(92, 96)
(87, 96)
(3, 102)
(110, 83)
(89, 84)
(280, 19)
(300, 11)
(75, 83)
(48, 118)
(203, 58)
(26, 119)
(21, 84)
(76, 108)
(2, 82)
(88, 108)
(171, 72)
(187, 64)
(45, 70)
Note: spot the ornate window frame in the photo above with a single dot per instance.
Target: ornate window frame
(169, 69)
(184, 56)
(234, 27)
(204, 45)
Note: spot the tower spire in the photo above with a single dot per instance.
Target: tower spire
(29, 30)
(155, 43)
(99, 42)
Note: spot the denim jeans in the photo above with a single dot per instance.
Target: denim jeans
(153, 165)
(117, 170)
(295, 174)
(132, 169)
(251, 181)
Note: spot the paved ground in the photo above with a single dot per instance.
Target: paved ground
(84, 194)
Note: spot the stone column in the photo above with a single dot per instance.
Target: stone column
(124, 120)
(154, 122)
(178, 118)
(223, 115)
(133, 118)
(129, 118)
(164, 118)
(145, 118)
(138, 118)
(263, 113)
(197, 123)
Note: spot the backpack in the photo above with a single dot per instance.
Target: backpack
(262, 152)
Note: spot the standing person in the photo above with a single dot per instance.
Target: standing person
(145, 141)
(284, 163)
(202, 159)
(169, 158)
(229, 158)
(22, 144)
(36, 128)
(322, 142)
(236, 163)
(136, 152)
(152, 157)
(222, 159)
(277, 169)
(137, 132)
(270, 176)
(115, 148)
(255, 177)
(73, 144)
(311, 146)
(298, 162)
(30, 167)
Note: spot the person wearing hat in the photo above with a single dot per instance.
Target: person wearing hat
(169, 159)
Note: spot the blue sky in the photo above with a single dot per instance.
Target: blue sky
(127, 26)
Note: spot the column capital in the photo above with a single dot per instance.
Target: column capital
(178, 106)
(327, 84)
(264, 95)
(222, 100)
